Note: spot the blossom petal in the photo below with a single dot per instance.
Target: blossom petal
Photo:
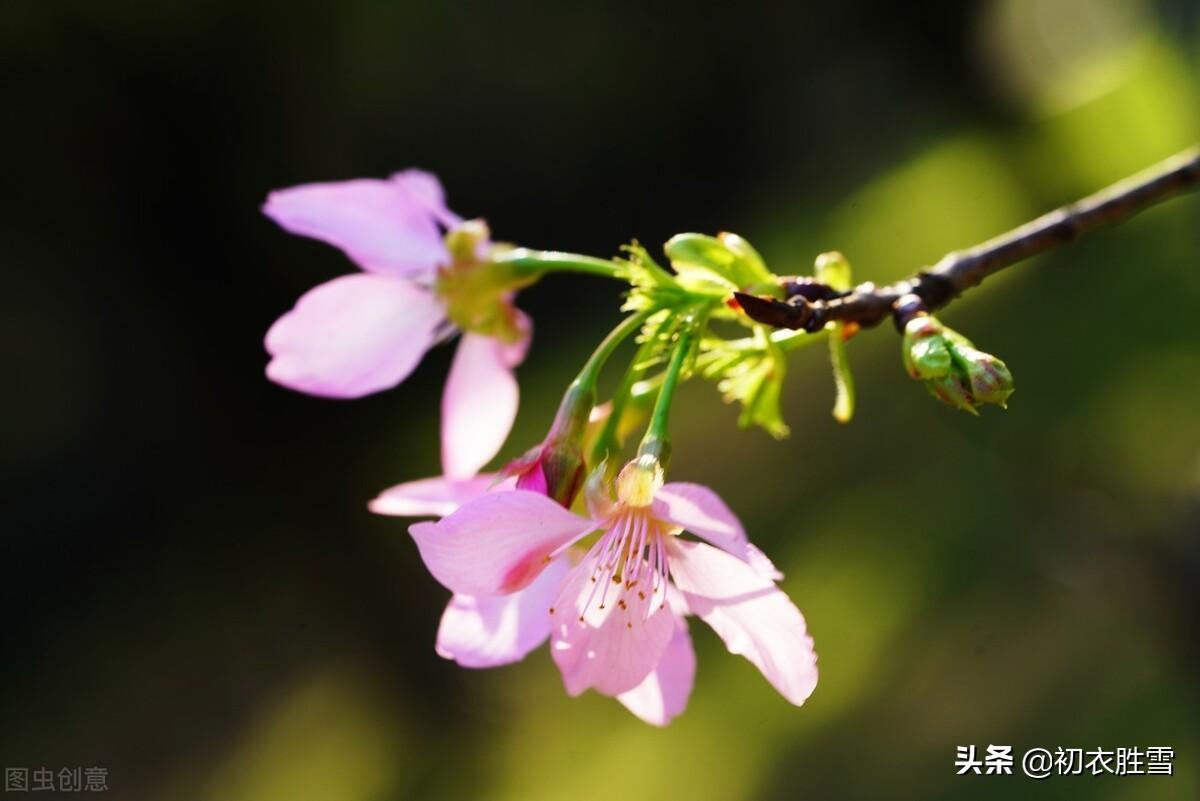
(425, 188)
(479, 402)
(748, 612)
(611, 643)
(701, 511)
(430, 497)
(534, 479)
(489, 630)
(381, 226)
(498, 543)
(352, 336)
(664, 693)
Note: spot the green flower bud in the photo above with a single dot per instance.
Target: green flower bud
(952, 390)
(952, 368)
(991, 381)
(926, 352)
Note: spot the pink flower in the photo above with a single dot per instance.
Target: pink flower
(618, 613)
(365, 332)
(477, 631)
(490, 630)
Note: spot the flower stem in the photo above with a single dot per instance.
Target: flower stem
(580, 397)
(656, 442)
(595, 363)
(606, 442)
(532, 263)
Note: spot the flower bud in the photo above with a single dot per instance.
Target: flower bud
(952, 390)
(926, 354)
(557, 468)
(952, 368)
(991, 381)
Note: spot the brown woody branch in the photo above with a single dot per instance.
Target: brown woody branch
(810, 306)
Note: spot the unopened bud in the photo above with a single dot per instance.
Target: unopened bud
(557, 468)
(952, 390)
(991, 381)
(952, 368)
(926, 353)
(554, 469)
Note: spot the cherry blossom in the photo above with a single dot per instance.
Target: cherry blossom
(366, 332)
(618, 611)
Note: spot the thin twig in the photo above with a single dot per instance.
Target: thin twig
(956, 272)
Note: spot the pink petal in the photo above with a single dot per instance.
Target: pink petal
(701, 511)
(381, 226)
(426, 189)
(352, 336)
(479, 403)
(432, 497)
(497, 543)
(534, 479)
(664, 693)
(748, 612)
(614, 648)
(489, 630)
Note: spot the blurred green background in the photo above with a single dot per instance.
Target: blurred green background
(194, 595)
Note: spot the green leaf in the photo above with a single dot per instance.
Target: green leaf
(833, 269)
(729, 260)
(843, 379)
(756, 381)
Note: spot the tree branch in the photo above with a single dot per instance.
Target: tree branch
(810, 306)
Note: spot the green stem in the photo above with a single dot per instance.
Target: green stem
(843, 379)
(595, 363)
(532, 263)
(577, 402)
(656, 442)
(606, 442)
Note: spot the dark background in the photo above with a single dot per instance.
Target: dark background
(194, 595)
